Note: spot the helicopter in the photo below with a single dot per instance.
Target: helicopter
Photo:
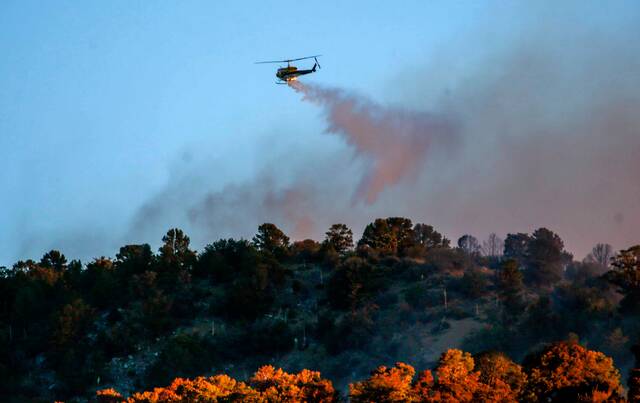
(291, 73)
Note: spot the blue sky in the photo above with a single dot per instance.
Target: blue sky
(101, 101)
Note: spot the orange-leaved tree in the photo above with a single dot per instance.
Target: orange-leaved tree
(267, 385)
(566, 371)
(504, 380)
(456, 380)
(385, 385)
(305, 386)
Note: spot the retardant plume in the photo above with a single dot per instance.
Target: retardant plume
(394, 141)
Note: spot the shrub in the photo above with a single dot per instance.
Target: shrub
(419, 297)
(183, 355)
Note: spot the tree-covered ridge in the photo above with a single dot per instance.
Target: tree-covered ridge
(338, 306)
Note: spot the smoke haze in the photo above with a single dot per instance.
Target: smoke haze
(527, 141)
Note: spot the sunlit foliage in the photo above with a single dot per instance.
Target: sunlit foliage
(561, 372)
(267, 385)
(388, 236)
(567, 371)
(456, 381)
(385, 385)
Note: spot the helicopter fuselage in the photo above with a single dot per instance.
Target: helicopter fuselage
(290, 73)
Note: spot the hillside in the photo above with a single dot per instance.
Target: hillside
(401, 293)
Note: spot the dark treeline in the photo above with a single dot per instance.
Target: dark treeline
(143, 318)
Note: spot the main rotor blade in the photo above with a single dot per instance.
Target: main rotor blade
(274, 61)
(288, 60)
(302, 58)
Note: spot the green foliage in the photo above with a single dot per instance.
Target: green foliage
(134, 259)
(272, 240)
(340, 238)
(510, 288)
(626, 276)
(306, 251)
(54, 260)
(446, 260)
(155, 312)
(428, 238)
(496, 337)
(474, 283)
(183, 355)
(542, 322)
(225, 259)
(510, 278)
(175, 250)
(119, 339)
(252, 293)
(265, 337)
(418, 296)
(175, 260)
(352, 331)
(352, 283)
(101, 283)
(515, 247)
(71, 322)
(545, 258)
(389, 235)
(578, 305)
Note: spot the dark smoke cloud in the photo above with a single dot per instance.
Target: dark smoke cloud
(542, 134)
(551, 138)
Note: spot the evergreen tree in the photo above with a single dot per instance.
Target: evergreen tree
(340, 238)
(271, 239)
(545, 258)
(626, 275)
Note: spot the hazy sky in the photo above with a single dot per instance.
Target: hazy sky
(111, 109)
